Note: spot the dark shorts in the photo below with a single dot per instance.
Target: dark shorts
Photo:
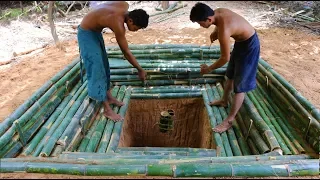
(243, 64)
(95, 59)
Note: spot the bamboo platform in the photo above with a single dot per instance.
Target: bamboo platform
(59, 130)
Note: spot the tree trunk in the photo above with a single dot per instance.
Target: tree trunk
(21, 6)
(164, 5)
(52, 26)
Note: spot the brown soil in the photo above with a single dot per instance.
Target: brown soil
(294, 53)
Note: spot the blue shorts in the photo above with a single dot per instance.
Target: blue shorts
(95, 58)
(243, 64)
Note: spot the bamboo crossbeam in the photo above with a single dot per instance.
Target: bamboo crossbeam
(165, 95)
(169, 82)
(168, 71)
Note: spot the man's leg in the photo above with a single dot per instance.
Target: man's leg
(108, 112)
(227, 123)
(227, 90)
(113, 100)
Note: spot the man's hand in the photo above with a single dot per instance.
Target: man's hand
(213, 36)
(204, 69)
(142, 75)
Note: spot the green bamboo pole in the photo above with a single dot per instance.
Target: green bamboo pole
(166, 89)
(264, 105)
(298, 168)
(253, 132)
(86, 139)
(236, 150)
(182, 64)
(89, 116)
(261, 126)
(115, 137)
(166, 95)
(35, 97)
(310, 167)
(133, 71)
(107, 132)
(14, 150)
(186, 149)
(264, 116)
(169, 82)
(163, 77)
(4, 150)
(154, 46)
(97, 133)
(308, 105)
(70, 131)
(47, 149)
(253, 147)
(51, 128)
(212, 95)
(285, 125)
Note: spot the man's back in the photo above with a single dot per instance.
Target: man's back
(238, 27)
(106, 13)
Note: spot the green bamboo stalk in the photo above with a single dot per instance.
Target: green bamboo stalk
(133, 71)
(170, 82)
(123, 64)
(253, 132)
(273, 120)
(212, 95)
(71, 128)
(231, 134)
(155, 46)
(308, 105)
(115, 137)
(163, 77)
(107, 132)
(185, 149)
(59, 119)
(89, 116)
(285, 125)
(310, 167)
(86, 139)
(261, 126)
(166, 89)
(264, 116)
(36, 140)
(253, 147)
(165, 95)
(34, 97)
(97, 134)
(14, 150)
(47, 149)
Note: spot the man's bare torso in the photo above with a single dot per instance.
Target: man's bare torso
(105, 15)
(239, 28)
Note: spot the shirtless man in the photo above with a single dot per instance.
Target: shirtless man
(243, 64)
(111, 15)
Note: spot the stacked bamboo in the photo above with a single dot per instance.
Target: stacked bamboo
(59, 122)
(293, 106)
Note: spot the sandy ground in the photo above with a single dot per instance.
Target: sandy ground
(293, 52)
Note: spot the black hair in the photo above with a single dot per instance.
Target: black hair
(139, 17)
(200, 12)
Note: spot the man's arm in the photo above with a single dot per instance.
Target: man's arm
(224, 40)
(123, 44)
